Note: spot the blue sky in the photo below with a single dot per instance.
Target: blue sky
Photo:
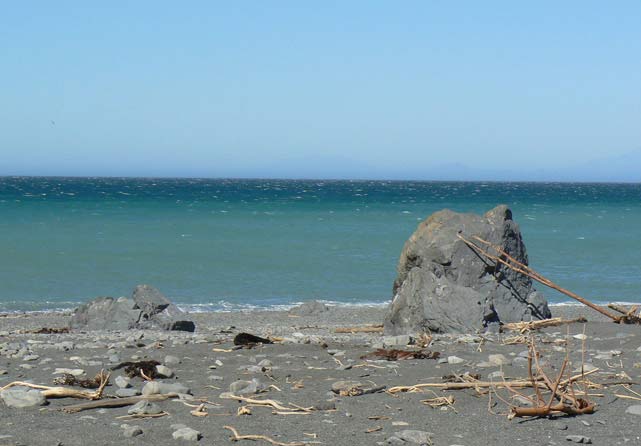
(421, 90)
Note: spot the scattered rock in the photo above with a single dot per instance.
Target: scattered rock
(22, 397)
(132, 431)
(444, 286)
(634, 410)
(311, 308)
(124, 393)
(187, 434)
(148, 308)
(455, 360)
(171, 360)
(144, 408)
(414, 436)
(158, 387)
(164, 372)
(123, 382)
(247, 387)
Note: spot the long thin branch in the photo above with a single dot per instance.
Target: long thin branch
(526, 270)
(237, 437)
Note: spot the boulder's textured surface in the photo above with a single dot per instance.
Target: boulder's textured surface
(444, 286)
(147, 309)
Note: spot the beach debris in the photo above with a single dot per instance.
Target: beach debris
(400, 355)
(243, 410)
(144, 369)
(68, 379)
(116, 402)
(440, 401)
(630, 315)
(527, 326)
(363, 329)
(238, 437)
(200, 411)
(270, 403)
(355, 388)
(482, 247)
(50, 330)
(249, 340)
(562, 398)
(64, 392)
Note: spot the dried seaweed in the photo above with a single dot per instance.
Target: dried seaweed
(144, 369)
(70, 380)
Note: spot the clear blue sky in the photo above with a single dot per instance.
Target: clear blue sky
(424, 89)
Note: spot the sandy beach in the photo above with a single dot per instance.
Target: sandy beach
(300, 370)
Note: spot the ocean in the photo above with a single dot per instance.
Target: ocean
(229, 244)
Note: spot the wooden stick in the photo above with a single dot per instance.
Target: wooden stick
(366, 329)
(238, 437)
(535, 325)
(271, 403)
(64, 392)
(526, 270)
(543, 411)
(116, 402)
(466, 385)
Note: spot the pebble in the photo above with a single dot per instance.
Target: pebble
(634, 410)
(123, 381)
(22, 397)
(132, 431)
(187, 434)
(158, 387)
(579, 439)
(124, 393)
(414, 436)
(164, 371)
(31, 358)
(144, 408)
(246, 387)
(498, 359)
(215, 378)
(455, 360)
(172, 360)
(74, 372)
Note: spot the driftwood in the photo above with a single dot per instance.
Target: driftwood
(510, 262)
(271, 403)
(64, 392)
(365, 329)
(399, 355)
(526, 326)
(464, 385)
(116, 402)
(238, 437)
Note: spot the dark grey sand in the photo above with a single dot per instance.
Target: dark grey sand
(303, 359)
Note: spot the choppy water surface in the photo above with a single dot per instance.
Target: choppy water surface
(224, 244)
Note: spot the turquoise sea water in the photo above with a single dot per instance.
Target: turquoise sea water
(224, 244)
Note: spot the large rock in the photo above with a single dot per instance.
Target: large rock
(147, 309)
(444, 286)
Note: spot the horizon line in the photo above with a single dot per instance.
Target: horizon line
(249, 178)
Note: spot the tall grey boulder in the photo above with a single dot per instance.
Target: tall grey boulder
(444, 286)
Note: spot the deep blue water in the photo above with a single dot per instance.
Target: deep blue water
(232, 243)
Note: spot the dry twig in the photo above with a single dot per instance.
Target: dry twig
(238, 437)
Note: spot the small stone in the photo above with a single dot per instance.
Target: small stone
(558, 425)
(414, 436)
(246, 387)
(31, 358)
(144, 408)
(63, 371)
(400, 423)
(124, 393)
(171, 360)
(634, 409)
(345, 386)
(455, 360)
(215, 378)
(400, 340)
(187, 434)
(325, 405)
(581, 337)
(579, 439)
(158, 387)
(498, 359)
(132, 431)
(22, 397)
(123, 382)
(3, 372)
(164, 371)
(495, 375)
